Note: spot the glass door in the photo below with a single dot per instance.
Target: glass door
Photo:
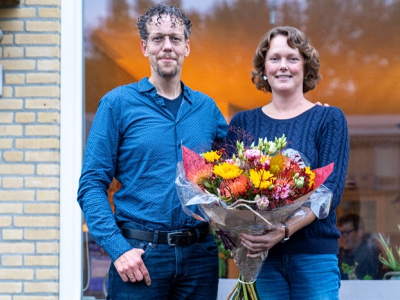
(360, 74)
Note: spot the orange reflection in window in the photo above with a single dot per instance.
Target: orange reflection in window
(115, 185)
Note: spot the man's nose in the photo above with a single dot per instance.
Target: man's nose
(167, 42)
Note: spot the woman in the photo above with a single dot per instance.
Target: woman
(305, 266)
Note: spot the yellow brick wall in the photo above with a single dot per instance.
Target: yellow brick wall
(29, 150)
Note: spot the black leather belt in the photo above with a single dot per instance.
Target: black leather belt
(172, 238)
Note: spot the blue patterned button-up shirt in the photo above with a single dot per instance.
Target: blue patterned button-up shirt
(137, 140)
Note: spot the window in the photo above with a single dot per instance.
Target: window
(359, 66)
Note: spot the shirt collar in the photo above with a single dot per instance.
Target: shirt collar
(144, 85)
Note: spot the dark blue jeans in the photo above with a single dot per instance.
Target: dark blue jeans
(299, 277)
(176, 272)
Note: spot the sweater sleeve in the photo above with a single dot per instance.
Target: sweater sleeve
(334, 147)
(97, 173)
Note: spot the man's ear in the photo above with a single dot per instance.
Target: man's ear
(187, 48)
(143, 47)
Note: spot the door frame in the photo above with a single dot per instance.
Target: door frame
(71, 137)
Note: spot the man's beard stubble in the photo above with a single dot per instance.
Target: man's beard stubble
(165, 74)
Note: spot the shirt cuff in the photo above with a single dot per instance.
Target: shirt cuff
(116, 246)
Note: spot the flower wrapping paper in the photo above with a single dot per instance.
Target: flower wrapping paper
(230, 222)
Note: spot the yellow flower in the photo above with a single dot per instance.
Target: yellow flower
(227, 171)
(312, 176)
(276, 164)
(264, 159)
(211, 156)
(261, 179)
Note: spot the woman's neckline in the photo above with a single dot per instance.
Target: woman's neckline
(261, 112)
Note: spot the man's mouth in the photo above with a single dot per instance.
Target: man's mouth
(167, 58)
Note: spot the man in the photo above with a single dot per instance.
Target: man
(158, 252)
(358, 251)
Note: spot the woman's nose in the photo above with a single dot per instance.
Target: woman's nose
(283, 65)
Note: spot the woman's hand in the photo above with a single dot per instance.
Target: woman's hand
(319, 103)
(259, 244)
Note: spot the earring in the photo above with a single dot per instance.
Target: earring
(265, 77)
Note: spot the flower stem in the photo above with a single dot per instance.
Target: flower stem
(252, 291)
(244, 291)
(233, 290)
(238, 292)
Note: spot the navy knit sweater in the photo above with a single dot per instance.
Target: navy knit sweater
(320, 134)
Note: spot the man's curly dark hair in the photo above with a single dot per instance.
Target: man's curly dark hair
(295, 39)
(161, 10)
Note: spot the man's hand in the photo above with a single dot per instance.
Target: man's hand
(319, 103)
(130, 267)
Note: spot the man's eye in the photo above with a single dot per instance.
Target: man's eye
(157, 39)
(175, 39)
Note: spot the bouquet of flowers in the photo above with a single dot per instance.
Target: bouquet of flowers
(254, 188)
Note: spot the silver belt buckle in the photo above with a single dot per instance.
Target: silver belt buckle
(169, 235)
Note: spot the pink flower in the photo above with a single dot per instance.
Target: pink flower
(281, 189)
(252, 153)
(262, 203)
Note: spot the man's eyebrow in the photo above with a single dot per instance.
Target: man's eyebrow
(166, 34)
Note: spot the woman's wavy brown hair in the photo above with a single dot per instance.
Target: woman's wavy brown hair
(295, 39)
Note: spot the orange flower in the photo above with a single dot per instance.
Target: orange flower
(235, 187)
(202, 173)
(293, 168)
